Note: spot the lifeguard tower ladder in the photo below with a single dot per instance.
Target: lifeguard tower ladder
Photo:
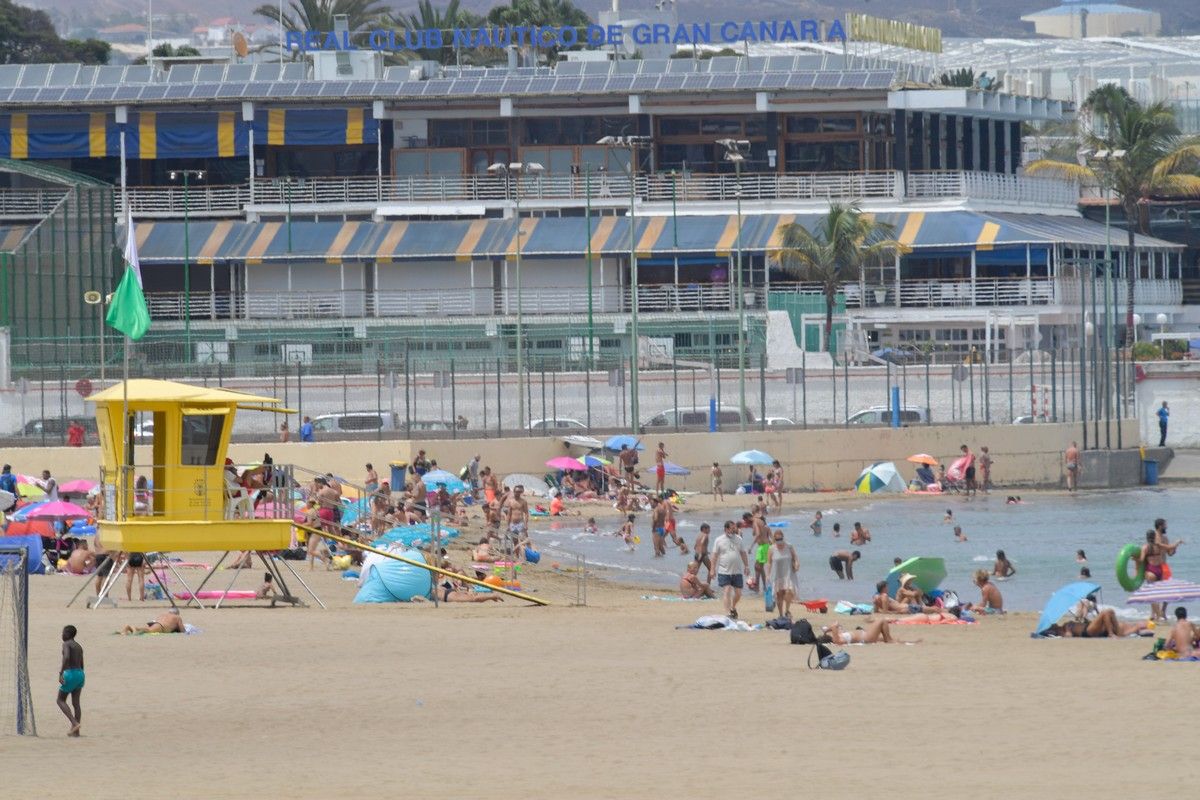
(186, 503)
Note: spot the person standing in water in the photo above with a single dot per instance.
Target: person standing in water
(71, 679)
(1071, 457)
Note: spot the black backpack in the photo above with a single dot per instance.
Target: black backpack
(802, 633)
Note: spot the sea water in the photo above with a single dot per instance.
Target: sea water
(1040, 536)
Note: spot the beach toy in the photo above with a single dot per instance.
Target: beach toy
(532, 556)
(217, 594)
(494, 580)
(783, 523)
(821, 605)
(350, 575)
(61, 565)
(1130, 583)
(341, 562)
(513, 585)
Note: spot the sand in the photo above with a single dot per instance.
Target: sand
(609, 700)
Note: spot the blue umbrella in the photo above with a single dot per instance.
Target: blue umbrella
(22, 515)
(413, 535)
(453, 483)
(1062, 601)
(595, 461)
(751, 457)
(674, 469)
(615, 442)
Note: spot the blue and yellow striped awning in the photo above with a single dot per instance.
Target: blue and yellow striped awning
(464, 240)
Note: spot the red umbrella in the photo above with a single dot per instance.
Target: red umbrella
(59, 509)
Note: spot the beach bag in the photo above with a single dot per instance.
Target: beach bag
(802, 632)
(835, 661)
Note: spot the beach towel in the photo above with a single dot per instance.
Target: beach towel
(674, 599)
(923, 620)
(717, 622)
(846, 607)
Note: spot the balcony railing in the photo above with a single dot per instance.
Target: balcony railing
(29, 203)
(695, 298)
(206, 200)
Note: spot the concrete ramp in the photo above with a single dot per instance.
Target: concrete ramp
(782, 350)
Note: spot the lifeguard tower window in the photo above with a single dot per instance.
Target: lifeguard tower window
(201, 439)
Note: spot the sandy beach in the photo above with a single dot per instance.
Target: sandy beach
(610, 700)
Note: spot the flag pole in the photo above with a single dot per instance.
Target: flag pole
(127, 433)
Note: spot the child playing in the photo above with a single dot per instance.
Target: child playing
(267, 589)
(626, 532)
(949, 518)
(816, 524)
(591, 526)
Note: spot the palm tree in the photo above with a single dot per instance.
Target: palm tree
(317, 15)
(549, 13)
(428, 17)
(1157, 162)
(840, 245)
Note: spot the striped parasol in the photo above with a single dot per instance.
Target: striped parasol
(1171, 591)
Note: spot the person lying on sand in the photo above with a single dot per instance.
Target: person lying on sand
(1103, 626)
(690, 585)
(877, 631)
(908, 600)
(452, 591)
(166, 622)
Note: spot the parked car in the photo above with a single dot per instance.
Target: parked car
(697, 417)
(781, 421)
(357, 422)
(882, 415)
(57, 426)
(557, 424)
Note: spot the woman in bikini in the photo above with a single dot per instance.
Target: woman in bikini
(877, 631)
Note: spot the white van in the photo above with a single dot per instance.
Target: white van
(697, 417)
(356, 422)
(882, 415)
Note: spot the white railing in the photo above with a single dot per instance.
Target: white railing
(1146, 291)
(207, 200)
(31, 203)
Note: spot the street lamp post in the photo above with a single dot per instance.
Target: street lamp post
(517, 169)
(186, 175)
(1105, 159)
(735, 152)
(631, 143)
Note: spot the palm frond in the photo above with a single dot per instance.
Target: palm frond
(1062, 169)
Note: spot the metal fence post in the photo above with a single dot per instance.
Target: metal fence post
(453, 401)
(928, 410)
(804, 386)
(845, 387)
(1011, 409)
(499, 415)
(1054, 386)
(379, 396)
(762, 390)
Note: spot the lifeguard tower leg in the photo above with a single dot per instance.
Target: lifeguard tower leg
(212, 571)
(186, 588)
(237, 571)
(110, 580)
(279, 577)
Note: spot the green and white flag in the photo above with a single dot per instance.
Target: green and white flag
(127, 310)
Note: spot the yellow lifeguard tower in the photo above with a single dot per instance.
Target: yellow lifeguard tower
(184, 498)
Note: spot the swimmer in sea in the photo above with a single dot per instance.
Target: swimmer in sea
(959, 536)
(860, 535)
(949, 518)
(1003, 568)
(1080, 557)
(837, 530)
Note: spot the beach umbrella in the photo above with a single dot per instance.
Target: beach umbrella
(596, 461)
(533, 484)
(1062, 601)
(77, 487)
(614, 442)
(880, 477)
(675, 469)
(28, 480)
(927, 572)
(453, 482)
(751, 457)
(1169, 591)
(923, 458)
(29, 490)
(7, 499)
(566, 463)
(57, 509)
(586, 442)
(22, 514)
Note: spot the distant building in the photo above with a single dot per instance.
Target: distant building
(1080, 20)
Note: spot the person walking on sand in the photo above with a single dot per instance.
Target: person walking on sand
(985, 469)
(70, 679)
(306, 430)
(1071, 457)
(718, 491)
(701, 549)
(658, 526)
(782, 564)
(1163, 414)
(762, 547)
(730, 558)
(660, 468)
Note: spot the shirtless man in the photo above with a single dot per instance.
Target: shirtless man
(990, 601)
(328, 504)
(628, 459)
(166, 622)
(82, 560)
(491, 485)
(676, 539)
(71, 678)
(715, 476)
(515, 513)
(985, 469)
(1071, 457)
(842, 564)
(969, 470)
(860, 535)
(658, 526)
(700, 546)
(660, 468)
(909, 595)
(1183, 635)
(761, 550)
(690, 585)
(1103, 625)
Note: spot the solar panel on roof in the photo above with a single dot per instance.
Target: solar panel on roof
(139, 73)
(725, 80)
(235, 89)
(464, 86)
(644, 83)
(410, 88)
(395, 73)
(656, 66)
(35, 75)
(593, 83)
(828, 80)
(619, 83)
(210, 73)
(4, 93)
(541, 85)
(438, 87)
(490, 86)
(516, 86)
(24, 94)
(723, 64)
(779, 63)
(628, 67)
(182, 73)
(308, 88)
(10, 74)
(878, 80)
(50, 94)
(360, 88)
(596, 68)
(62, 75)
(670, 82)
(293, 72)
(800, 80)
(281, 89)
(86, 76)
(153, 91)
(175, 91)
(696, 83)
(76, 94)
(746, 80)
(335, 89)
(238, 72)
(676, 65)
(103, 94)
(754, 64)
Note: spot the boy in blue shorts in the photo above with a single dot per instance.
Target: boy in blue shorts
(70, 678)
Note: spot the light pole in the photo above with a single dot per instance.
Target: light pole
(631, 143)
(186, 175)
(735, 152)
(94, 298)
(518, 168)
(1104, 159)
